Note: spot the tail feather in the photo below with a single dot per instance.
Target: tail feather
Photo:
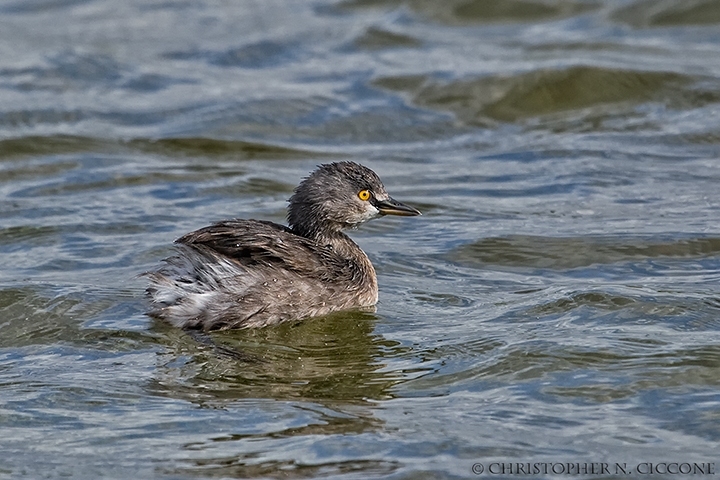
(191, 284)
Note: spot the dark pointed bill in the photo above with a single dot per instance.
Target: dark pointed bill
(393, 207)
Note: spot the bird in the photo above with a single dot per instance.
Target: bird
(240, 273)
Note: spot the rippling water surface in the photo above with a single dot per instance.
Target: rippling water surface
(558, 301)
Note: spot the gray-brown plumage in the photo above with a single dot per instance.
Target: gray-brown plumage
(253, 273)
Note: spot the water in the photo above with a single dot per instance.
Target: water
(558, 301)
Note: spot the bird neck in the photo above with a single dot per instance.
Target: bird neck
(352, 256)
(340, 243)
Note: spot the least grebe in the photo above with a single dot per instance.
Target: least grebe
(254, 273)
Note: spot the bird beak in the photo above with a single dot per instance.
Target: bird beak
(393, 207)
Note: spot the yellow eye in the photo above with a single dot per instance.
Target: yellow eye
(364, 195)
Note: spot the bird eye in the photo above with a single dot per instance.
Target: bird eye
(364, 195)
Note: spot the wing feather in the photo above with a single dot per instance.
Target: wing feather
(253, 242)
